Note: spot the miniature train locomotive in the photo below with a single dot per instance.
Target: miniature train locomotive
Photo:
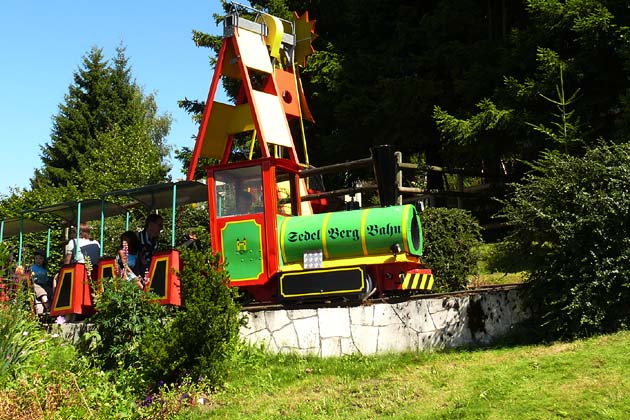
(275, 247)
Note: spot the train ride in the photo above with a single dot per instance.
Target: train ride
(276, 245)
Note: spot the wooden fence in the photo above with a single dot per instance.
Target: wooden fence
(406, 194)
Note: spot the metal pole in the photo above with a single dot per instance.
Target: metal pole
(102, 225)
(20, 250)
(173, 216)
(48, 243)
(398, 178)
(76, 240)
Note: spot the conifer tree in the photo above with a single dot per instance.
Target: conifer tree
(104, 127)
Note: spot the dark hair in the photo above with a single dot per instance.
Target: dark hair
(42, 254)
(152, 218)
(132, 240)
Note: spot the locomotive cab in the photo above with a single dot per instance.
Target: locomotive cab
(247, 201)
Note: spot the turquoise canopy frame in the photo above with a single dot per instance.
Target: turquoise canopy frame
(150, 197)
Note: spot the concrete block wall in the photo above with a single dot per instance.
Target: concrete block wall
(432, 323)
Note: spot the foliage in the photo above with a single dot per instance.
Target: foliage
(174, 398)
(581, 38)
(65, 387)
(62, 384)
(105, 115)
(565, 131)
(20, 337)
(7, 265)
(570, 220)
(451, 244)
(190, 218)
(201, 338)
(125, 315)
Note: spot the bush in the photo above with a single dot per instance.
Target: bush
(571, 222)
(202, 338)
(21, 338)
(451, 243)
(125, 316)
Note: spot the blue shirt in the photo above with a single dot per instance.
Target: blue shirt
(40, 275)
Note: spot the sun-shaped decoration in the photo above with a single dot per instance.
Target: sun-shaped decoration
(305, 35)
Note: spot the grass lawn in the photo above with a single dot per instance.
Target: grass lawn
(585, 379)
(492, 271)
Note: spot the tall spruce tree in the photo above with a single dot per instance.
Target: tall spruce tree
(106, 129)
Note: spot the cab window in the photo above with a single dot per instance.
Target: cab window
(238, 191)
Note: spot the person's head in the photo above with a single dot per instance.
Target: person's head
(133, 243)
(39, 257)
(153, 225)
(244, 201)
(85, 231)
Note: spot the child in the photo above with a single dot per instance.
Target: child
(127, 257)
(42, 284)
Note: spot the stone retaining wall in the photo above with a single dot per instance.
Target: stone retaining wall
(471, 319)
(431, 323)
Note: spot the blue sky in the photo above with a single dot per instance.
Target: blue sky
(41, 46)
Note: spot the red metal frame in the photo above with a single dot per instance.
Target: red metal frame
(168, 261)
(267, 219)
(75, 277)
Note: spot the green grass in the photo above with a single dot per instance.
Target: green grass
(496, 278)
(579, 380)
(493, 269)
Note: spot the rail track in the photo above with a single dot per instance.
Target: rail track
(341, 302)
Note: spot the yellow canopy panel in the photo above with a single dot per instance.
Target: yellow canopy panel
(225, 120)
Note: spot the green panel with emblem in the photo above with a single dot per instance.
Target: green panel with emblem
(242, 249)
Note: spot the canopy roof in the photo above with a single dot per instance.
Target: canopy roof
(160, 196)
(11, 227)
(151, 197)
(90, 210)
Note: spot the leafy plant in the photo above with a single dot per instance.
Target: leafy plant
(203, 335)
(571, 217)
(172, 398)
(20, 338)
(565, 131)
(6, 263)
(451, 245)
(125, 314)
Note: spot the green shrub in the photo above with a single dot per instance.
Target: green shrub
(6, 262)
(451, 243)
(203, 335)
(21, 337)
(125, 314)
(571, 222)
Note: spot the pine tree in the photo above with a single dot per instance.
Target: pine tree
(106, 128)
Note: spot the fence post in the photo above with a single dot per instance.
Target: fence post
(384, 163)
